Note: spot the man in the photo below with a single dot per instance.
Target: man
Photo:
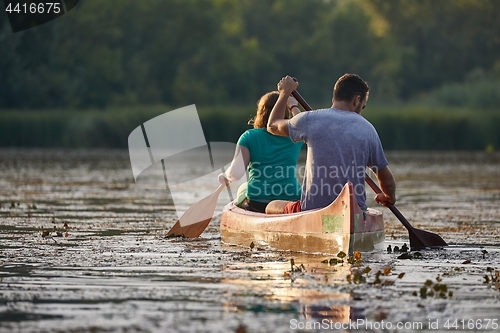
(340, 145)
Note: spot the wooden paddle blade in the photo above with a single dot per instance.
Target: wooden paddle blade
(189, 231)
(420, 239)
(196, 219)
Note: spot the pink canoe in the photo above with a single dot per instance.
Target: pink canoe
(341, 226)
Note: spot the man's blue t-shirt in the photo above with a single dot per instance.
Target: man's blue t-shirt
(272, 167)
(340, 145)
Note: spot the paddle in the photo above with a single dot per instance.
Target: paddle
(419, 239)
(196, 219)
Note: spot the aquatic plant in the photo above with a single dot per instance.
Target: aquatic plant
(493, 280)
(361, 276)
(484, 252)
(55, 232)
(434, 289)
(294, 269)
(403, 248)
(405, 252)
(354, 259)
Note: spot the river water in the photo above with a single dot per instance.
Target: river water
(82, 249)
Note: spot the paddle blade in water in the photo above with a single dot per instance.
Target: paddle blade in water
(196, 219)
(420, 239)
(190, 231)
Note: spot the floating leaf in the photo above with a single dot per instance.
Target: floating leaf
(387, 271)
(358, 278)
(367, 270)
(341, 255)
(333, 261)
(357, 255)
(423, 292)
(252, 245)
(400, 276)
(388, 283)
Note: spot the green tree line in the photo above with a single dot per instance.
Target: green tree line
(223, 52)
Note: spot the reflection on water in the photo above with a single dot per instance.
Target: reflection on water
(104, 264)
(274, 282)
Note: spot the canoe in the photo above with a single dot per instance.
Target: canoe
(341, 226)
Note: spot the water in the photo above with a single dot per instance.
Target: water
(112, 270)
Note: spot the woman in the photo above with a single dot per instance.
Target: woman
(270, 160)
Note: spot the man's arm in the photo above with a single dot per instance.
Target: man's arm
(387, 185)
(276, 124)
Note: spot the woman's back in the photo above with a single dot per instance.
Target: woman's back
(272, 166)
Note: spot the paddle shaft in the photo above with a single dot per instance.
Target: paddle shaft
(393, 208)
(301, 100)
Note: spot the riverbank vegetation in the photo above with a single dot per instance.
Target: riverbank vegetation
(90, 77)
(399, 127)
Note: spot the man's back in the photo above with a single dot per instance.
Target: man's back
(340, 144)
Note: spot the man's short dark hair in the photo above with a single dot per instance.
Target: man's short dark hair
(349, 86)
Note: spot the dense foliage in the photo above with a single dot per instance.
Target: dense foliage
(179, 52)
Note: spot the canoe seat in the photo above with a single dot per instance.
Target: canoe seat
(276, 206)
